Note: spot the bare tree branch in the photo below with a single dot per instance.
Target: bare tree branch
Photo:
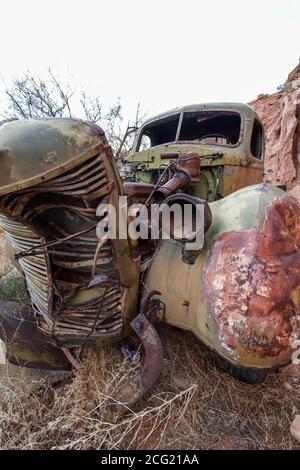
(31, 96)
(91, 107)
(126, 142)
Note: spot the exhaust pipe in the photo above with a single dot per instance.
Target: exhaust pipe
(187, 171)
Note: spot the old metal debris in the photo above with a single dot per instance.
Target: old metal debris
(152, 360)
(152, 364)
(26, 345)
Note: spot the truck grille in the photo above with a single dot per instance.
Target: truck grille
(56, 222)
(35, 268)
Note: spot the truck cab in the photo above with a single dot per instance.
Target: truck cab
(228, 137)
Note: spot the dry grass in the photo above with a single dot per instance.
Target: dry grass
(194, 405)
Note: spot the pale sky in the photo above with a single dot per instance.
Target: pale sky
(163, 53)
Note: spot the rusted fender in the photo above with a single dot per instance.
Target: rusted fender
(144, 381)
(252, 284)
(26, 345)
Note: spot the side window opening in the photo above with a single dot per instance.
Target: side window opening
(211, 127)
(159, 132)
(145, 142)
(257, 140)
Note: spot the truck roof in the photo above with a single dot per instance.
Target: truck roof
(241, 108)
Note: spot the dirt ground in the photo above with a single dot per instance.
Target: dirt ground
(195, 404)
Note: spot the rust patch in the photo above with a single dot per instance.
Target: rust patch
(252, 282)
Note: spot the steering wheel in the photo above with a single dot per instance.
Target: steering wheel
(229, 140)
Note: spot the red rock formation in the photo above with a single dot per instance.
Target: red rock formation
(280, 114)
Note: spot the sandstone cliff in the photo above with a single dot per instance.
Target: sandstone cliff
(281, 119)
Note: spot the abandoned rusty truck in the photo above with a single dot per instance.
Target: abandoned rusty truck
(239, 292)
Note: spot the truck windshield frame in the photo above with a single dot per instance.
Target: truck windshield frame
(179, 129)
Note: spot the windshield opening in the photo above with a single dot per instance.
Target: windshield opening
(159, 132)
(205, 127)
(211, 127)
